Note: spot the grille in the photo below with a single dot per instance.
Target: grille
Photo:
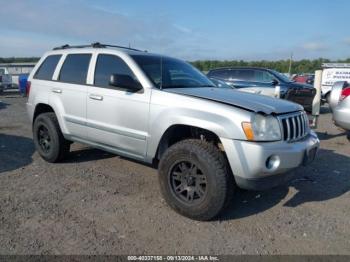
(294, 127)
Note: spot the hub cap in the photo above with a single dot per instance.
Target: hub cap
(188, 182)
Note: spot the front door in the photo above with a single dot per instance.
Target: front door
(115, 117)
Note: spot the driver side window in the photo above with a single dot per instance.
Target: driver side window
(106, 65)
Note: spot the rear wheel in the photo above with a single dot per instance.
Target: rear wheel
(195, 180)
(48, 138)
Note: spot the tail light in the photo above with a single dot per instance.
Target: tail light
(345, 93)
(28, 84)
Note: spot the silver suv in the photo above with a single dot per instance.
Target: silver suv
(205, 140)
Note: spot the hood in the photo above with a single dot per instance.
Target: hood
(248, 101)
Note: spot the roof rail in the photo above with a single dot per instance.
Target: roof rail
(94, 45)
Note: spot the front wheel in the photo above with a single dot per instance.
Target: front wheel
(195, 180)
(48, 138)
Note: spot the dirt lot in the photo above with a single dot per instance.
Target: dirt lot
(98, 203)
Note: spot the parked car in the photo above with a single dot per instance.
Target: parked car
(300, 79)
(340, 104)
(304, 79)
(156, 109)
(255, 90)
(5, 79)
(258, 78)
(310, 79)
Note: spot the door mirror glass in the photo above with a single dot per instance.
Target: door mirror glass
(125, 82)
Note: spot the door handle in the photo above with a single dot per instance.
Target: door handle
(96, 97)
(56, 90)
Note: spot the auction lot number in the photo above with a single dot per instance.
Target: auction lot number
(173, 258)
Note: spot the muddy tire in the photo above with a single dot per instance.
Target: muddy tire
(195, 179)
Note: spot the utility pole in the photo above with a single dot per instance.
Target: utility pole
(290, 64)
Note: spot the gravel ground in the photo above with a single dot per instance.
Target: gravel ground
(99, 203)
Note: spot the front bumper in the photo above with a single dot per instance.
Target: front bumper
(249, 161)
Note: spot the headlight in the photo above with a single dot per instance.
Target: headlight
(262, 128)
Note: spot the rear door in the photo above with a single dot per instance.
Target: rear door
(68, 93)
(117, 118)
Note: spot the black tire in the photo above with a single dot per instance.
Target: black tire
(48, 138)
(207, 161)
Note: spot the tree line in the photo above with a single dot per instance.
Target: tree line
(300, 66)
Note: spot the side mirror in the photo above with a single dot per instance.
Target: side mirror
(124, 82)
(274, 82)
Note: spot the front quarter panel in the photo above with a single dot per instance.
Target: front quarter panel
(168, 109)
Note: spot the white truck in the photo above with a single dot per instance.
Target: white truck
(333, 72)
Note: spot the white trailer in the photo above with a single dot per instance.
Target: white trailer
(333, 72)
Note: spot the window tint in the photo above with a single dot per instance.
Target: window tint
(47, 68)
(222, 74)
(167, 72)
(75, 68)
(262, 76)
(233, 74)
(107, 65)
(244, 74)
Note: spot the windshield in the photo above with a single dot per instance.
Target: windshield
(166, 72)
(281, 77)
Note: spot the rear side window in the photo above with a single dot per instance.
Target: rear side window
(75, 68)
(47, 68)
(107, 65)
(221, 74)
(245, 74)
(262, 76)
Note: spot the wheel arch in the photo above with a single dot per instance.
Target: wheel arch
(40, 109)
(178, 132)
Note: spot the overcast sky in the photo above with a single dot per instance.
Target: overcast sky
(191, 30)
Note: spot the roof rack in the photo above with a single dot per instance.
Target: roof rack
(94, 45)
